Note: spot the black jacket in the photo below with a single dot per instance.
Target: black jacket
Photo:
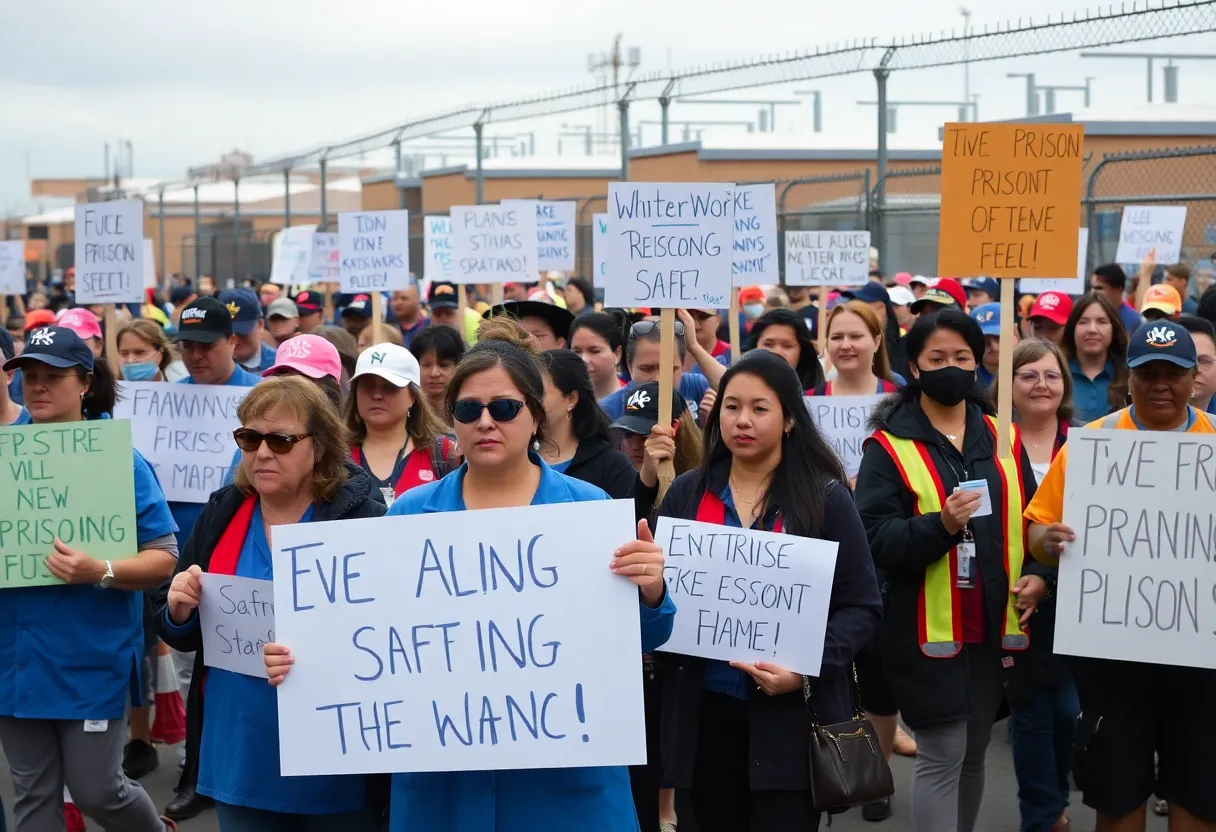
(357, 498)
(599, 463)
(931, 690)
(779, 725)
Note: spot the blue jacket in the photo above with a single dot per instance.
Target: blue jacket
(595, 799)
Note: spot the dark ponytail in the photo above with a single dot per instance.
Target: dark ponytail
(102, 394)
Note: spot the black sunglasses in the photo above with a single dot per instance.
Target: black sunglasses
(249, 440)
(468, 411)
(644, 329)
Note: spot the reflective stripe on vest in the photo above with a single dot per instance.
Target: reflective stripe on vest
(939, 608)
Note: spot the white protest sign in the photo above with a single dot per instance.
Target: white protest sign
(326, 263)
(471, 640)
(12, 267)
(184, 431)
(554, 232)
(755, 240)
(110, 252)
(375, 250)
(671, 244)
(293, 255)
(827, 258)
(746, 595)
(843, 421)
(599, 249)
(494, 244)
(437, 248)
(237, 619)
(1151, 228)
(149, 265)
(1138, 583)
(1078, 285)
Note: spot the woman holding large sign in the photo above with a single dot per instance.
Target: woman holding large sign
(941, 511)
(736, 735)
(69, 654)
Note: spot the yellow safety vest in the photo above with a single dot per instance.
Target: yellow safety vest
(939, 611)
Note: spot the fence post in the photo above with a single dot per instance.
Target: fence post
(479, 182)
(397, 175)
(622, 106)
(160, 202)
(286, 197)
(198, 252)
(664, 104)
(879, 238)
(236, 230)
(324, 194)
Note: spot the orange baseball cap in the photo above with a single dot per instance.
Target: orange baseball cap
(751, 294)
(1163, 298)
(38, 317)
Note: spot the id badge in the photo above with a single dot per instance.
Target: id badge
(966, 555)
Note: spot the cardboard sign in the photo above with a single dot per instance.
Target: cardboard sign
(1156, 229)
(184, 431)
(12, 267)
(827, 258)
(375, 250)
(236, 616)
(555, 232)
(671, 245)
(755, 240)
(470, 640)
(599, 249)
(1138, 583)
(1011, 196)
(293, 256)
(843, 421)
(71, 480)
(437, 248)
(494, 244)
(326, 263)
(110, 252)
(746, 595)
(1078, 285)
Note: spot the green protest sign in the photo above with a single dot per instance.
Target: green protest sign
(72, 481)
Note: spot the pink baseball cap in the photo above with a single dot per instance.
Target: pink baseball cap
(308, 355)
(902, 278)
(82, 322)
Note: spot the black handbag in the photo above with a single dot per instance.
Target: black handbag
(846, 761)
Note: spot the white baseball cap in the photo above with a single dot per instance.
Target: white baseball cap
(392, 363)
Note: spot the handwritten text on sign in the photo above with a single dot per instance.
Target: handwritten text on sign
(745, 595)
(12, 267)
(827, 258)
(292, 255)
(459, 641)
(554, 232)
(326, 263)
(49, 487)
(1011, 197)
(755, 240)
(237, 619)
(1155, 229)
(437, 248)
(599, 249)
(494, 244)
(1139, 582)
(184, 431)
(843, 421)
(375, 249)
(109, 252)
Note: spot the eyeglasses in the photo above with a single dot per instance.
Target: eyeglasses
(1050, 378)
(250, 440)
(644, 329)
(468, 411)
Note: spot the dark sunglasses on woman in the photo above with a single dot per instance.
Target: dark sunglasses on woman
(250, 440)
(468, 411)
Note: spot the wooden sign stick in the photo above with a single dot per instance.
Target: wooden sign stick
(821, 327)
(1004, 375)
(736, 350)
(462, 304)
(377, 316)
(111, 327)
(667, 354)
(496, 294)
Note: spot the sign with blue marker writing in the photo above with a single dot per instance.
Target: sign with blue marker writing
(494, 244)
(743, 595)
(437, 248)
(12, 267)
(554, 232)
(599, 249)
(755, 240)
(292, 255)
(236, 616)
(326, 263)
(458, 641)
(375, 250)
(110, 252)
(671, 244)
(827, 258)
(844, 423)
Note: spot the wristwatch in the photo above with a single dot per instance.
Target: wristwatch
(107, 580)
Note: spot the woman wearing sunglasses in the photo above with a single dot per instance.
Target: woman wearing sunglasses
(496, 398)
(642, 361)
(293, 469)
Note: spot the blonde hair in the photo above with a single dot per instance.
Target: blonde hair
(881, 364)
(1030, 351)
(688, 444)
(507, 329)
(307, 402)
(150, 333)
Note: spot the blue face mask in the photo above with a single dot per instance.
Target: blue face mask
(143, 371)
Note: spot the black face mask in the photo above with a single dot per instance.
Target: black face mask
(947, 385)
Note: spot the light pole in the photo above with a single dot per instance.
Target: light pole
(616, 61)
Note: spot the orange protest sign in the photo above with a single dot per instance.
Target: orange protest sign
(1011, 196)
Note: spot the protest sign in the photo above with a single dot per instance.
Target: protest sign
(1078, 285)
(827, 258)
(494, 244)
(1138, 584)
(599, 249)
(1151, 228)
(456, 641)
(375, 250)
(843, 421)
(292, 255)
(671, 244)
(755, 240)
(71, 480)
(554, 232)
(12, 267)
(236, 616)
(110, 252)
(1011, 196)
(326, 263)
(745, 595)
(437, 248)
(184, 431)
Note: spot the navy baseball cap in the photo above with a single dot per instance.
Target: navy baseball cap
(204, 320)
(245, 307)
(987, 285)
(642, 409)
(442, 296)
(870, 292)
(309, 302)
(57, 346)
(988, 317)
(1161, 340)
(360, 305)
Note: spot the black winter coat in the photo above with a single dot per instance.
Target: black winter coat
(602, 464)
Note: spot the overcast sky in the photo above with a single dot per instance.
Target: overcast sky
(188, 81)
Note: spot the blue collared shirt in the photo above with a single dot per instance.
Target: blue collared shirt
(23, 418)
(1089, 396)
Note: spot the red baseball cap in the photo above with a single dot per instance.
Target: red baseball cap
(38, 317)
(954, 289)
(1054, 306)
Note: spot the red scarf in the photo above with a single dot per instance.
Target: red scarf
(228, 550)
(713, 510)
